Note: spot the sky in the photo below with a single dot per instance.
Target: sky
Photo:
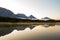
(37, 8)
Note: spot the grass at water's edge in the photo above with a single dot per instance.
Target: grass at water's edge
(26, 23)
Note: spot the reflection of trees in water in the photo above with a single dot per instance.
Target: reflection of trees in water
(6, 30)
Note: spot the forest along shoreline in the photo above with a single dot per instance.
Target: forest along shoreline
(16, 21)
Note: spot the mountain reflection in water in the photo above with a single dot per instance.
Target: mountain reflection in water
(6, 30)
(38, 32)
(48, 25)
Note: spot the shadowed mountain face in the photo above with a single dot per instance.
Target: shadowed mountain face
(6, 13)
(24, 16)
(21, 16)
(31, 16)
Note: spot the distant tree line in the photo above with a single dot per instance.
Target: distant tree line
(7, 19)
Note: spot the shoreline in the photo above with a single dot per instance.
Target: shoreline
(9, 24)
(41, 23)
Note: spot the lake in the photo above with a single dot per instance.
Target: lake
(30, 32)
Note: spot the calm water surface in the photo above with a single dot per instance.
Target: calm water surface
(30, 32)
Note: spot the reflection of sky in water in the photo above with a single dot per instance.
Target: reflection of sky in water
(39, 32)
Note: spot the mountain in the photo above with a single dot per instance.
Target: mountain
(47, 18)
(21, 16)
(6, 13)
(31, 16)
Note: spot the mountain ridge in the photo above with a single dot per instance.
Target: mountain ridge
(7, 13)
